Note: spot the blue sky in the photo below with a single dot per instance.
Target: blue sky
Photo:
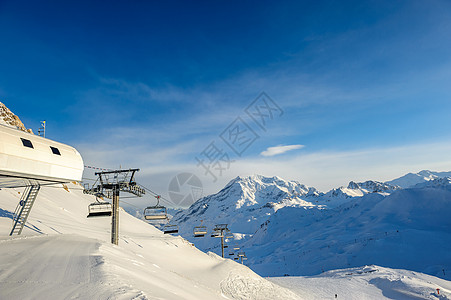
(364, 85)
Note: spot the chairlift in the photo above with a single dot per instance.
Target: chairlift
(229, 236)
(99, 209)
(225, 246)
(200, 231)
(156, 212)
(235, 258)
(167, 229)
(216, 234)
(241, 254)
(231, 253)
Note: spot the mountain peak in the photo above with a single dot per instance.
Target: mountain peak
(247, 202)
(372, 186)
(412, 179)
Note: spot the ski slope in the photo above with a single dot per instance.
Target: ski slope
(61, 254)
(369, 282)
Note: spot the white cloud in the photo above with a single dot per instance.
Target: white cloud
(271, 151)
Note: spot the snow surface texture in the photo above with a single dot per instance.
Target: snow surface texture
(369, 282)
(63, 255)
(287, 228)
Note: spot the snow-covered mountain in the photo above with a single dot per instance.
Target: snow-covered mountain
(341, 195)
(372, 186)
(408, 229)
(411, 179)
(288, 228)
(248, 202)
(244, 203)
(443, 182)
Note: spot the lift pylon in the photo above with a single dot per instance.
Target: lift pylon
(111, 183)
(218, 232)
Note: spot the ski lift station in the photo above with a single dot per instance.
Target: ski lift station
(25, 156)
(28, 160)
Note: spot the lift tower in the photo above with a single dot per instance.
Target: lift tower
(218, 232)
(111, 183)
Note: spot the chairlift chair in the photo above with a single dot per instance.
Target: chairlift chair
(167, 229)
(200, 231)
(155, 213)
(231, 253)
(99, 209)
(235, 258)
(236, 248)
(216, 234)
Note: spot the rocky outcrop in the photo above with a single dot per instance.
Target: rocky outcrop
(8, 118)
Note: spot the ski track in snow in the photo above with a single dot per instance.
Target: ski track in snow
(243, 287)
(64, 266)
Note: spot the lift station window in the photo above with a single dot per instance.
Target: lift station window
(27, 143)
(55, 150)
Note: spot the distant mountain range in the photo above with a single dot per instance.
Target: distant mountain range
(288, 228)
(411, 179)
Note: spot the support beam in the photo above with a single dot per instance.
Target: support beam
(222, 244)
(115, 217)
(24, 207)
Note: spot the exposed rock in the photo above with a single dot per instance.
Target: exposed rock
(8, 118)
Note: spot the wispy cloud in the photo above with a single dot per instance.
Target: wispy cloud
(272, 151)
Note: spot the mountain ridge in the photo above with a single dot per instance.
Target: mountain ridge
(411, 179)
(252, 205)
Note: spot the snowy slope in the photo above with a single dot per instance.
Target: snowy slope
(410, 229)
(369, 282)
(62, 254)
(411, 179)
